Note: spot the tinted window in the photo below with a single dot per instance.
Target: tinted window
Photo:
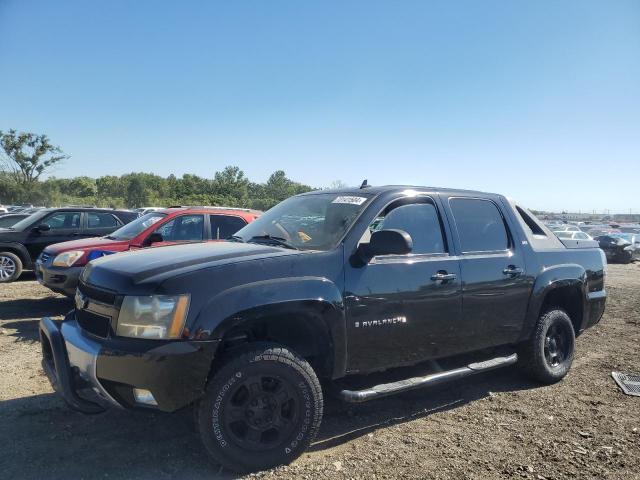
(185, 228)
(420, 221)
(62, 220)
(223, 226)
(531, 223)
(10, 220)
(102, 220)
(480, 225)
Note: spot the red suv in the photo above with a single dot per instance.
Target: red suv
(58, 266)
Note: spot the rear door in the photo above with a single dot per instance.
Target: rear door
(100, 224)
(223, 226)
(496, 289)
(63, 226)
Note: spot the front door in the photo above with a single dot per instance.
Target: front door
(188, 228)
(402, 309)
(63, 226)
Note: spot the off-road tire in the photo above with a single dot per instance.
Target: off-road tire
(534, 357)
(10, 261)
(222, 415)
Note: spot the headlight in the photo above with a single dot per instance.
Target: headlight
(67, 259)
(154, 316)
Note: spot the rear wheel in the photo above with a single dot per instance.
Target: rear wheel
(547, 356)
(262, 408)
(10, 267)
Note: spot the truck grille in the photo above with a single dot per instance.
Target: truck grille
(95, 309)
(98, 325)
(97, 294)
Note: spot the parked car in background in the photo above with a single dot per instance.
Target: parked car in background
(21, 243)
(3, 209)
(630, 229)
(634, 240)
(617, 250)
(59, 265)
(10, 219)
(565, 228)
(145, 210)
(573, 235)
(22, 210)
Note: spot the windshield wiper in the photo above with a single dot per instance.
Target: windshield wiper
(110, 237)
(279, 241)
(236, 238)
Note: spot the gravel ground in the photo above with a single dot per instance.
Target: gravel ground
(496, 425)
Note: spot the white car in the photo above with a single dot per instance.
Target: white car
(565, 228)
(573, 235)
(144, 210)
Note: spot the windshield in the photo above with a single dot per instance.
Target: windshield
(307, 222)
(135, 228)
(28, 222)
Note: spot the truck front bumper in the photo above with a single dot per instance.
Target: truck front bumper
(93, 373)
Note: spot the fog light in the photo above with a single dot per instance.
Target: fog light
(144, 396)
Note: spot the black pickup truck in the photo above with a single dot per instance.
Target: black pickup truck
(326, 286)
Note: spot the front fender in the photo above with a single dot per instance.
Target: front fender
(20, 249)
(557, 276)
(317, 294)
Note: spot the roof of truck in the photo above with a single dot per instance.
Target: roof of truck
(375, 190)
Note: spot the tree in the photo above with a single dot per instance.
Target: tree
(28, 156)
(136, 195)
(232, 184)
(336, 184)
(83, 187)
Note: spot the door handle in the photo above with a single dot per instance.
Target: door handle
(443, 276)
(513, 271)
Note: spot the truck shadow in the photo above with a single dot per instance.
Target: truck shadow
(29, 308)
(43, 437)
(344, 422)
(19, 318)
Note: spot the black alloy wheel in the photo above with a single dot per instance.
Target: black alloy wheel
(261, 411)
(548, 353)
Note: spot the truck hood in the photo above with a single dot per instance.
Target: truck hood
(100, 243)
(132, 272)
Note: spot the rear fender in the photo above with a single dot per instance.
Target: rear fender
(557, 276)
(316, 300)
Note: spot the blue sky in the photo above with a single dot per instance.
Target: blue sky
(538, 100)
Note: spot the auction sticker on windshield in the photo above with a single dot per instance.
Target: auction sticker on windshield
(350, 200)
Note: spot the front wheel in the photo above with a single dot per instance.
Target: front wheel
(10, 267)
(262, 408)
(547, 356)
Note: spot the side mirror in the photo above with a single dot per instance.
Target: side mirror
(155, 237)
(43, 227)
(385, 242)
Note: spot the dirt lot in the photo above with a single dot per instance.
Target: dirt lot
(494, 426)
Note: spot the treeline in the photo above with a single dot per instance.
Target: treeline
(229, 187)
